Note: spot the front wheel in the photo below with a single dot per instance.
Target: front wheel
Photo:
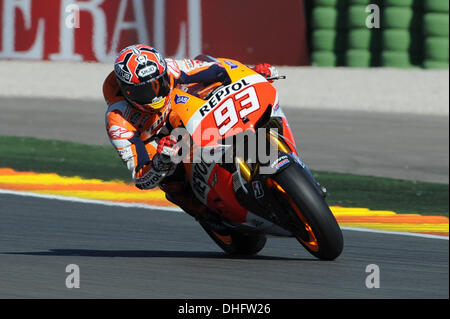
(310, 219)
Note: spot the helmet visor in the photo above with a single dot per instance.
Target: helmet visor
(149, 94)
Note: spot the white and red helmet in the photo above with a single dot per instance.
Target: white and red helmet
(143, 77)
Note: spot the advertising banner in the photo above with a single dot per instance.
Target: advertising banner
(252, 31)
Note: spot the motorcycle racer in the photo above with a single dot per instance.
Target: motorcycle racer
(138, 117)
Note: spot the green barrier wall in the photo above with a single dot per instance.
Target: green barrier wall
(412, 33)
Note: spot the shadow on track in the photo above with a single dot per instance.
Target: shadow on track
(148, 253)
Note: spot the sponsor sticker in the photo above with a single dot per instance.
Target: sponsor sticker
(124, 75)
(181, 99)
(221, 94)
(158, 122)
(125, 154)
(199, 179)
(146, 71)
(219, 97)
(135, 117)
(150, 180)
(119, 132)
(231, 64)
(173, 67)
(280, 162)
(258, 190)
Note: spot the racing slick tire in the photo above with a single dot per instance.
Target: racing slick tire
(312, 221)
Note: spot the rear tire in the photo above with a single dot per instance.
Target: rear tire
(237, 243)
(300, 191)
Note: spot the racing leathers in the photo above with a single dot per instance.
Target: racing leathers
(135, 134)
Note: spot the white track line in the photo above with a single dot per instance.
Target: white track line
(174, 209)
(89, 201)
(379, 231)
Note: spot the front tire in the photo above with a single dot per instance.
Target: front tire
(312, 221)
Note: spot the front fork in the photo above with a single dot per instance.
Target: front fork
(284, 148)
(255, 192)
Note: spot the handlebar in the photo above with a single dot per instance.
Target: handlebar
(273, 78)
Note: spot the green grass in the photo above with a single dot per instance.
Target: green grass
(64, 158)
(378, 193)
(88, 161)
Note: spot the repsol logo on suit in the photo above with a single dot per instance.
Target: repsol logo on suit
(151, 181)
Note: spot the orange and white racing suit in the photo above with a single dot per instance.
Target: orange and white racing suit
(134, 133)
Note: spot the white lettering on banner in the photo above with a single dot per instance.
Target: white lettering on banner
(66, 37)
(159, 26)
(99, 32)
(104, 44)
(194, 33)
(138, 25)
(99, 39)
(9, 32)
(181, 49)
(195, 27)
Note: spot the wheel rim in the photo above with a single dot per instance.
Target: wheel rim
(311, 242)
(226, 239)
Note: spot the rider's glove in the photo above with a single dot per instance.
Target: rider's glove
(147, 178)
(266, 70)
(166, 149)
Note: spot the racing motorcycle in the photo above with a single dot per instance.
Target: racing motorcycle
(250, 197)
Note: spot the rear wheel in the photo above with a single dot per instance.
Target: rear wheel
(310, 218)
(236, 243)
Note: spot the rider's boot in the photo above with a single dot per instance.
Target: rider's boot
(179, 192)
(183, 197)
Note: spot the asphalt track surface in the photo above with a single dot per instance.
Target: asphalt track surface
(141, 253)
(414, 147)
